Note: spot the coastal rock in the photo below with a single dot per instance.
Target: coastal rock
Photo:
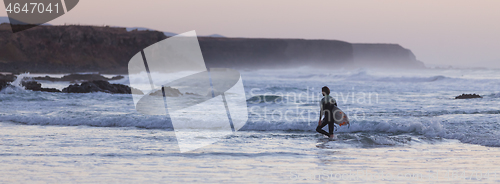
(35, 86)
(7, 78)
(98, 86)
(468, 96)
(169, 91)
(79, 77)
(3, 84)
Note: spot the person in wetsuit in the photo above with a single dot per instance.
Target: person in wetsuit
(327, 105)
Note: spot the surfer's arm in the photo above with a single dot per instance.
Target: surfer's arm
(320, 112)
(333, 101)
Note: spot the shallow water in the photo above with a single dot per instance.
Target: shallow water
(131, 155)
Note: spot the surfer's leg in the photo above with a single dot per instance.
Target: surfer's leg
(330, 128)
(320, 128)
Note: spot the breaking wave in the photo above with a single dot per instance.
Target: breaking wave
(368, 130)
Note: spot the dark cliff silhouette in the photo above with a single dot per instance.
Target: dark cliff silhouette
(68, 49)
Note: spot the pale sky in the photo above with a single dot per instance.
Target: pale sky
(439, 32)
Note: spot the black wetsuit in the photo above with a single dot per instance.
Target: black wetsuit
(327, 109)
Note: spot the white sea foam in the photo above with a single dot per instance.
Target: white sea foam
(15, 86)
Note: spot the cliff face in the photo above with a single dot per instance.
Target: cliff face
(384, 56)
(71, 48)
(65, 49)
(273, 53)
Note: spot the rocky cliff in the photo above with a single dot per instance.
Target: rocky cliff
(274, 53)
(384, 56)
(62, 49)
(66, 49)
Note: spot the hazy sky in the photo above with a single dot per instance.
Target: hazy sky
(439, 32)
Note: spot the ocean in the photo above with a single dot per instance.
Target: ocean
(406, 126)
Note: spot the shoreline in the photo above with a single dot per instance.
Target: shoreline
(131, 150)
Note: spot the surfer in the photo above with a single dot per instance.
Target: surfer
(327, 105)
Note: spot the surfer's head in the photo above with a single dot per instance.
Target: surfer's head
(325, 90)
